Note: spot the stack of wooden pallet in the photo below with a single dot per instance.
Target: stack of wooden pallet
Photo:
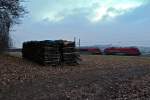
(42, 52)
(69, 54)
(51, 52)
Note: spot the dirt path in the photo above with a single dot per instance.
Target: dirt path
(97, 78)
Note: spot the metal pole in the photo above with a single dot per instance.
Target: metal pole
(75, 40)
(79, 43)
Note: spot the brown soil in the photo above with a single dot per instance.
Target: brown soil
(96, 78)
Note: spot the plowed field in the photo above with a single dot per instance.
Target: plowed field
(96, 78)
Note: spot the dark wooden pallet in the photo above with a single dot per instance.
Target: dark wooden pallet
(50, 52)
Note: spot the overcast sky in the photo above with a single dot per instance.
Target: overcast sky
(95, 22)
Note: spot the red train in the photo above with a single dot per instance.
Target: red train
(130, 51)
(90, 50)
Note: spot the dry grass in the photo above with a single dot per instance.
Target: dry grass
(96, 78)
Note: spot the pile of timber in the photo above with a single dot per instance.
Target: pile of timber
(49, 52)
(69, 54)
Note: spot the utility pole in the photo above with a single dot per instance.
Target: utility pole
(79, 43)
(75, 40)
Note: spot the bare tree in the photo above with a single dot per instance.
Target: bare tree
(10, 12)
